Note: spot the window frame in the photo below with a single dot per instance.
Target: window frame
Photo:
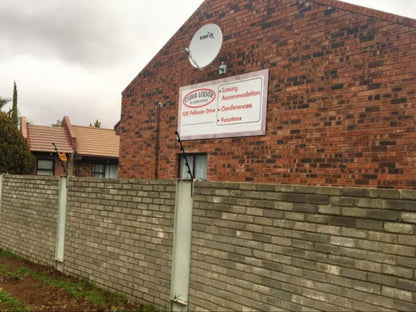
(106, 170)
(102, 174)
(52, 170)
(98, 174)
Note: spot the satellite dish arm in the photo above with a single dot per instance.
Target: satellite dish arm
(188, 51)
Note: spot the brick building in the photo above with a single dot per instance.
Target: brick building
(89, 151)
(341, 104)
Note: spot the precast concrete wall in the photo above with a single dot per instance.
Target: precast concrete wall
(261, 247)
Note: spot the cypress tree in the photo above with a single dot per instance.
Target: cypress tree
(14, 107)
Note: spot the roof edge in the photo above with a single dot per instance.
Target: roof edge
(23, 127)
(89, 127)
(96, 156)
(67, 124)
(355, 8)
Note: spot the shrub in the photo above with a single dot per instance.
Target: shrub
(15, 156)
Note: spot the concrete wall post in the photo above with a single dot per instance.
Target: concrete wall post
(60, 231)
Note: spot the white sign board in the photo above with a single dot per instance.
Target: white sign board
(229, 107)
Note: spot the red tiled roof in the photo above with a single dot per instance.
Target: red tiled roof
(96, 141)
(85, 141)
(40, 139)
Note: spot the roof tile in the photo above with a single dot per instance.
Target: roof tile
(40, 139)
(89, 141)
(96, 141)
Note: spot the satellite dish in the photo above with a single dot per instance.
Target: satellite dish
(205, 46)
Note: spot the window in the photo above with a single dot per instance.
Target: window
(45, 167)
(98, 170)
(104, 170)
(111, 171)
(198, 165)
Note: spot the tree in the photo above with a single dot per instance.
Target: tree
(97, 124)
(15, 156)
(57, 124)
(14, 107)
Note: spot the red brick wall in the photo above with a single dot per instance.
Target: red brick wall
(59, 169)
(82, 169)
(341, 96)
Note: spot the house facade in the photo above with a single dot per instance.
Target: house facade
(73, 150)
(339, 108)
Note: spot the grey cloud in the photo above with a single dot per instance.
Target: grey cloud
(84, 32)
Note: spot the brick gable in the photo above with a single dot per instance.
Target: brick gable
(341, 99)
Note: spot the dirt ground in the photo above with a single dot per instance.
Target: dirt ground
(41, 297)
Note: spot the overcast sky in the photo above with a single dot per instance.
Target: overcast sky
(75, 57)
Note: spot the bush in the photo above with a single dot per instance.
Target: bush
(15, 156)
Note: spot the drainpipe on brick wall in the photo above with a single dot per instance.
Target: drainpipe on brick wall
(157, 143)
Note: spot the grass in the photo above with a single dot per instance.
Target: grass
(78, 289)
(8, 303)
(8, 254)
